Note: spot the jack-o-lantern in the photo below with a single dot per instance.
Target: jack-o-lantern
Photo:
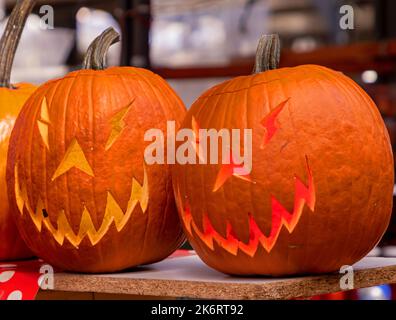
(319, 192)
(12, 98)
(86, 201)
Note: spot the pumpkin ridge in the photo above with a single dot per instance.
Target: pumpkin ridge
(210, 118)
(239, 90)
(375, 116)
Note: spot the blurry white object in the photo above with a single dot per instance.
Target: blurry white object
(389, 251)
(210, 33)
(383, 292)
(190, 89)
(376, 252)
(370, 76)
(304, 44)
(2, 9)
(183, 43)
(41, 53)
(297, 23)
(90, 24)
(38, 75)
(40, 47)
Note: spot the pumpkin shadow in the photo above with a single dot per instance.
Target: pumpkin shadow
(288, 277)
(144, 268)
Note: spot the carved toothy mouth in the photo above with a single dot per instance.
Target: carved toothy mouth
(280, 218)
(113, 213)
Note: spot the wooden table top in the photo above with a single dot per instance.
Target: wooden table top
(189, 277)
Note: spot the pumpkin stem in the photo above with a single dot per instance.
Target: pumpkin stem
(268, 53)
(95, 58)
(10, 39)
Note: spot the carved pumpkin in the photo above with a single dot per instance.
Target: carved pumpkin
(319, 194)
(12, 98)
(85, 199)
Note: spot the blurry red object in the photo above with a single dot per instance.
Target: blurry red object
(331, 296)
(19, 280)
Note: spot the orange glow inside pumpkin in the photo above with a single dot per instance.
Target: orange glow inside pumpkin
(280, 217)
(117, 125)
(269, 122)
(228, 170)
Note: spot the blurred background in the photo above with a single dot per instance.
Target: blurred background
(196, 44)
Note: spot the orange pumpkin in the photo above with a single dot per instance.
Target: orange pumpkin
(12, 98)
(86, 201)
(319, 192)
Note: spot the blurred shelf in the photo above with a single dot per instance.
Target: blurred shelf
(11, 3)
(107, 5)
(354, 58)
(301, 5)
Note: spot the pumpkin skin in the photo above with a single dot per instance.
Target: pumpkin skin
(86, 168)
(327, 149)
(12, 246)
(12, 98)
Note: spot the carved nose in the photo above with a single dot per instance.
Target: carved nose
(74, 158)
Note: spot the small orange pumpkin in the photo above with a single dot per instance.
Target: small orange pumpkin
(319, 193)
(12, 98)
(85, 199)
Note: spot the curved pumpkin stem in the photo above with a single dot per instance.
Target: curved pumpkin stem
(10, 39)
(268, 53)
(95, 58)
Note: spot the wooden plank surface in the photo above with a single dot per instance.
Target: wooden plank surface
(189, 277)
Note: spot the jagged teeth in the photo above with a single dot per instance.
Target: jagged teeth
(280, 218)
(113, 213)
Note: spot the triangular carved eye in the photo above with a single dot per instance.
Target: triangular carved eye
(74, 158)
(44, 122)
(269, 123)
(117, 123)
